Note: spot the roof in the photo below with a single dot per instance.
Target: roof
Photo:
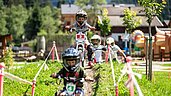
(69, 9)
(120, 10)
(116, 14)
(72, 9)
(118, 21)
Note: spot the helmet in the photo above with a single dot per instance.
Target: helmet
(110, 40)
(81, 13)
(96, 37)
(71, 54)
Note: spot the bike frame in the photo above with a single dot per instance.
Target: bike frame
(80, 45)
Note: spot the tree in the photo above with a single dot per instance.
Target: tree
(57, 19)
(82, 3)
(47, 20)
(131, 22)
(151, 8)
(3, 23)
(29, 3)
(104, 24)
(42, 18)
(9, 3)
(1, 3)
(33, 24)
(46, 3)
(16, 17)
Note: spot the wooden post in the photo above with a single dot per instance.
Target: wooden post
(53, 49)
(2, 65)
(33, 87)
(146, 56)
(131, 85)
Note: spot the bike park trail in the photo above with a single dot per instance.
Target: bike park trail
(88, 84)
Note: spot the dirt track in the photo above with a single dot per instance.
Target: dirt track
(88, 90)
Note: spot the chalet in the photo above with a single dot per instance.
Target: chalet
(68, 12)
(116, 13)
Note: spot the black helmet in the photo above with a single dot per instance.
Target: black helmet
(71, 54)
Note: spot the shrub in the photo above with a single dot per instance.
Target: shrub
(8, 57)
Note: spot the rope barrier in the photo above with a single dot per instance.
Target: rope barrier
(113, 72)
(131, 78)
(34, 80)
(130, 82)
(56, 52)
(13, 77)
(123, 73)
(129, 59)
(44, 65)
(53, 53)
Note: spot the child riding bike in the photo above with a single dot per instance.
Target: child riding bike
(95, 48)
(81, 24)
(71, 69)
(114, 49)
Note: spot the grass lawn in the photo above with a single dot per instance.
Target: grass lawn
(159, 86)
(104, 86)
(45, 85)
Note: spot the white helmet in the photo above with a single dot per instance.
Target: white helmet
(110, 40)
(96, 37)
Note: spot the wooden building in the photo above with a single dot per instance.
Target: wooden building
(3, 42)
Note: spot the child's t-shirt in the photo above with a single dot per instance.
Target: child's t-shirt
(98, 53)
(81, 28)
(115, 49)
(78, 75)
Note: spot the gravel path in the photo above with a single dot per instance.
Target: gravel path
(88, 90)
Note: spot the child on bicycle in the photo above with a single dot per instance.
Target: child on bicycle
(114, 49)
(71, 69)
(81, 24)
(95, 48)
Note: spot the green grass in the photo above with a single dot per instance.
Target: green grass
(105, 84)
(45, 85)
(166, 64)
(159, 86)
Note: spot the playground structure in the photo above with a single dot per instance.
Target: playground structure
(161, 44)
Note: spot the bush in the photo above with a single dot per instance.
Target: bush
(8, 57)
